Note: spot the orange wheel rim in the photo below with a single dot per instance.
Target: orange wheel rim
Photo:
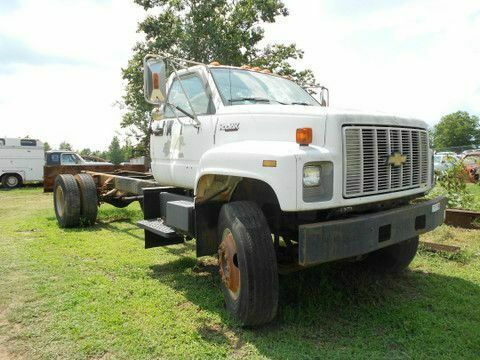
(228, 264)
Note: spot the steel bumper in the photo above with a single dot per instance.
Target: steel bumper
(338, 239)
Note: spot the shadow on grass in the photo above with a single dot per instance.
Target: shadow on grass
(111, 219)
(336, 306)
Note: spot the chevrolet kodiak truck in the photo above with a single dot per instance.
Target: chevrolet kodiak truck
(263, 175)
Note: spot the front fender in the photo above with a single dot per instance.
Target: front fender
(245, 159)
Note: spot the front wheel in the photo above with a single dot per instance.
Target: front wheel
(393, 258)
(247, 263)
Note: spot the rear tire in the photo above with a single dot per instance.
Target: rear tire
(66, 200)
(11, 181)
(394, 258)
(88, 199)
(247, 263)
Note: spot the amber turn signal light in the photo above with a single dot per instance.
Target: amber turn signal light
(304, 136)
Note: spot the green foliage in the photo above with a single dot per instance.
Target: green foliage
(100, 154)
(452, 181)
(85, 152)
(115, 153)
(228, 31)
(46, 146)
(96, 293)
(456, 129)
(65, 146)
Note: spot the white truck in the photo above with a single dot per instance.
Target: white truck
(255, 169)
(21, 161)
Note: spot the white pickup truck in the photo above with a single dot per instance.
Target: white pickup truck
(259, 172)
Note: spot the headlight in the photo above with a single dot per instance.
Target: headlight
(311, 176)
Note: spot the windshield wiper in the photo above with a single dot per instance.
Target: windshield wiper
(300, 103)
(256, 99)
(184, 112)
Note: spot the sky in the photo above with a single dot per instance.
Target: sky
(61, 60)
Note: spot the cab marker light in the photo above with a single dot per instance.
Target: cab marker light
(304, 136)
(269, 163)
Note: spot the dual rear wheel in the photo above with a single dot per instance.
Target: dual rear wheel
(75, 200)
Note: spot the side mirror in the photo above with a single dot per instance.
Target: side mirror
(154, 80)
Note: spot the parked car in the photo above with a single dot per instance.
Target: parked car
(446, 153)
(472, 165)
(442, 162)
(62, 157)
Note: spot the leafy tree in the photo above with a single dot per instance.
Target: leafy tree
(65, 146)
(456, 129)
(100, 154)
(128, 150)
(86, 152)
(115, 152)
(46, 146)
(228, 31)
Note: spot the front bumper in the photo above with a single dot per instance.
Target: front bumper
(339, 239)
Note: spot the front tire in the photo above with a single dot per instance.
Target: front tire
(247, 263)
(394, 258)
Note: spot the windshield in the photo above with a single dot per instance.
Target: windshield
(239, 87)
(71, 159)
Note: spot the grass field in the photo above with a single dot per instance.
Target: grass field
(97, 294)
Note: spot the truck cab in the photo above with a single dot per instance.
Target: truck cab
(248, 119)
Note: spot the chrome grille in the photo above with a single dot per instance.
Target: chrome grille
(366, 152)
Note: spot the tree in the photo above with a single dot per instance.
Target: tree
(115, 152)
(46, 146)
(86, 152)
(228, 31)
(100, 154)
(455, 130)
(65, 146)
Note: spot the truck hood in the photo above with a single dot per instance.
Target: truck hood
(271, 122)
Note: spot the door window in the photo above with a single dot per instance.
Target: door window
(2, 142)
(69, 159)
(195, 90)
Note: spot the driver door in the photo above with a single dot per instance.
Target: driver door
(181, 145)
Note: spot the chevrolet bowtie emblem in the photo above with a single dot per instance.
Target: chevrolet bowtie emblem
(397, 159)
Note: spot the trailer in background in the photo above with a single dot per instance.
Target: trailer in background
(21, 161)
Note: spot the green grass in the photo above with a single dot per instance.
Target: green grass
(474, 189)
(97, 294)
